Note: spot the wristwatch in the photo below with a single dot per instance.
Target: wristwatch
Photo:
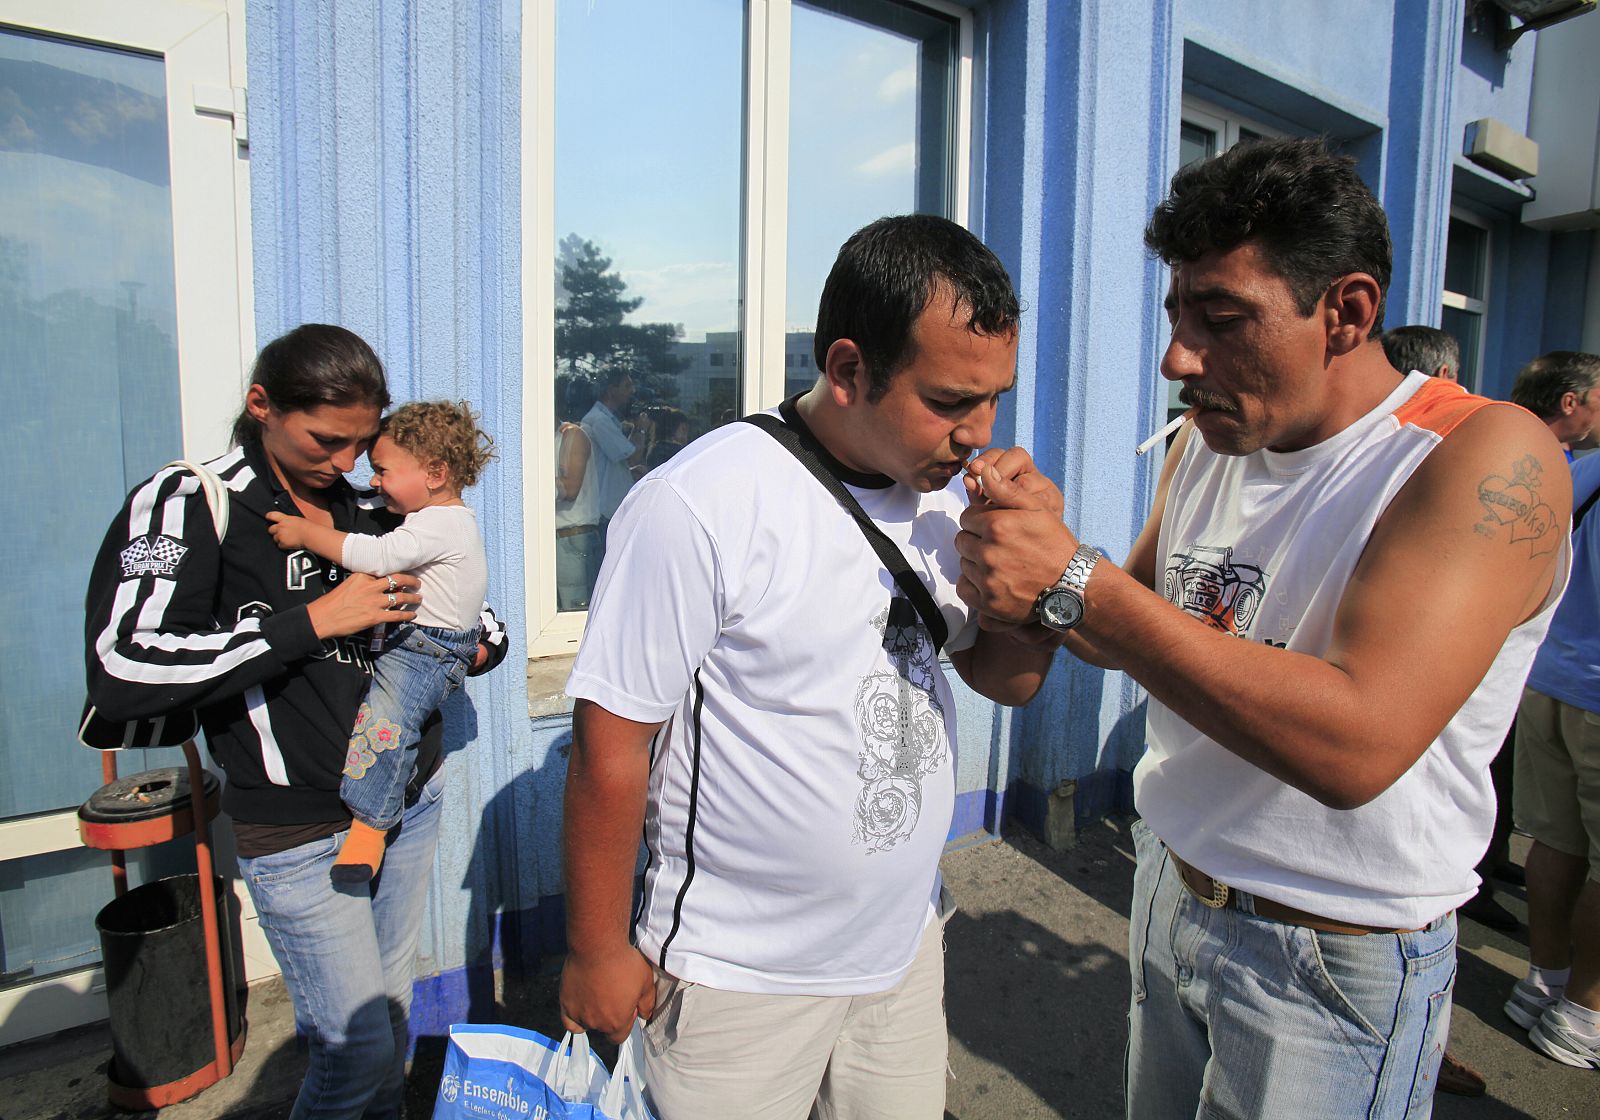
(1061, 604)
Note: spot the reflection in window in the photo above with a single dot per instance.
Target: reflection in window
(647, 207)
(1195, 144)
(871, 106)
(88, 350)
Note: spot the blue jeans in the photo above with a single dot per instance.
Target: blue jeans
(420, 666)
(1239, 1016)
(348, 957)
(577, 565)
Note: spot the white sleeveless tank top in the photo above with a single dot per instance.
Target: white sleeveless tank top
(1262, 546)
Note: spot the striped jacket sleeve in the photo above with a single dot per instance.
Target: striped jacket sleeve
(152, 643)
(493, 639)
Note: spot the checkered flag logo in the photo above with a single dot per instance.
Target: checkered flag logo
(152, 556)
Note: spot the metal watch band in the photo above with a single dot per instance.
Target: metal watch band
(1078, 568)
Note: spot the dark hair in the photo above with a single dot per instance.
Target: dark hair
(574, 398)
(667, 419)
(1307, 209)
(1545, 380)
(890, 271)
(613, 375)
(442, 432)
(1419, 347)
(314, 364)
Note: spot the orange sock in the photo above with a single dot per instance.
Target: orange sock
(362, 854)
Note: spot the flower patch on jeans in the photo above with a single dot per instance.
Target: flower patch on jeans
(358, 759)
(371, 737)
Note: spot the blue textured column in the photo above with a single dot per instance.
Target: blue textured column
(385, 171)
(1079, 124)
(1418, 154)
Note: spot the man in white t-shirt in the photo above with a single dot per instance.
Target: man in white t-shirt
(1312, 808)
(616, 451)
(756, 695)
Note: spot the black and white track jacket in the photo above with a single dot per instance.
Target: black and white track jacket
(177, 622)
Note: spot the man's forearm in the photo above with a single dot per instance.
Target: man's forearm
(607, 781)
(1300, 718)
(1007, 668)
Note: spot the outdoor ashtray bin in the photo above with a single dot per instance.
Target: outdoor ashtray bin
(157, 985)
(176, 1021)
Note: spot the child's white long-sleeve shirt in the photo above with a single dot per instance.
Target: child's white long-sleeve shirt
(442, 547)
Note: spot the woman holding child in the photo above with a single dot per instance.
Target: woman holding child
(274, 650)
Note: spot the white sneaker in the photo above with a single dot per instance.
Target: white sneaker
(1527, 1004)
(1553, 1036)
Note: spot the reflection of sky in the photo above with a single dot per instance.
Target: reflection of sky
(83, 171)
(852, 143)
(649, 110)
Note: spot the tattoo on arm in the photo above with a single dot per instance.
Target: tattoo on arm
(1515, 503)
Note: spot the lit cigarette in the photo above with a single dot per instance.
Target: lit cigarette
(1171, 426)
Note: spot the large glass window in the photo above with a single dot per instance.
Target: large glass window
(709, 158)
(118, 352)
(647, 216)
(1466, 294)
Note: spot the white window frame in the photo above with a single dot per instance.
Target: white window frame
(1460, 301)
(1227, 125)
(201, 43)
(765, 216)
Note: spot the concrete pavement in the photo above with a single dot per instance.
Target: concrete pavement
(1037, 989)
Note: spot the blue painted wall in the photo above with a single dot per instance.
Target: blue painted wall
(386, 178)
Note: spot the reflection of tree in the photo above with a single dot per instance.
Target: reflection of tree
(591, 336)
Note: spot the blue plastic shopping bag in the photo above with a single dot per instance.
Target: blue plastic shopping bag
(507, 1073)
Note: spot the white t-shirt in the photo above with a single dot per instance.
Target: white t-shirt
(1263, 546)
(442, 547)
(801, 790)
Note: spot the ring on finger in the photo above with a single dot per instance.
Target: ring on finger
(392, 600)
(393, 586)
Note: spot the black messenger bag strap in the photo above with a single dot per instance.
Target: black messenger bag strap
(803, 448)
(1577, 514)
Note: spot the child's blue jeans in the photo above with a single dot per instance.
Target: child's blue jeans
(419, 667)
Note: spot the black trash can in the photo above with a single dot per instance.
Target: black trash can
(155, 960)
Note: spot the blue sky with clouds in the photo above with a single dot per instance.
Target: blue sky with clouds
(649, 135)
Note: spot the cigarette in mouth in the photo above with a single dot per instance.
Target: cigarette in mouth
(1170, 427)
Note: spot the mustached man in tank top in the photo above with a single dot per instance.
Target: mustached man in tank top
(1312, 809)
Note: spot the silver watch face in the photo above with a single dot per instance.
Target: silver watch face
(1060, 609)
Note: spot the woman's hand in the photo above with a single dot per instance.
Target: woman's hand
(361, 602)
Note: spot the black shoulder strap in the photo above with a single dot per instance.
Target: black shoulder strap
(801, 447)
(1577, 514)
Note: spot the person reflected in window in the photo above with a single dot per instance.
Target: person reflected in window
(578, 544)
(671, 435)
(616, 450)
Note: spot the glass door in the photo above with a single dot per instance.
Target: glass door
(114, 359)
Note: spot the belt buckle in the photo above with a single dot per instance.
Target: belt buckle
(1219, 896)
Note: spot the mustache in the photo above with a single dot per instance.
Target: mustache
(1205, 398)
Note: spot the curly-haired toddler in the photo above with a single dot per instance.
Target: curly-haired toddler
(426, 453)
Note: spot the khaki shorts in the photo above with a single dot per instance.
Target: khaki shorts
(716, 1055)
(1556, 788)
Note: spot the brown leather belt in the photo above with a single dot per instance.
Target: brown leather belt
(1218, 895)
(575, 530)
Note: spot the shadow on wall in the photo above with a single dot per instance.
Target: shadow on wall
(508, 928)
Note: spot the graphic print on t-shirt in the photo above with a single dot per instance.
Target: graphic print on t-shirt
(902, 727)
(1204, 581)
